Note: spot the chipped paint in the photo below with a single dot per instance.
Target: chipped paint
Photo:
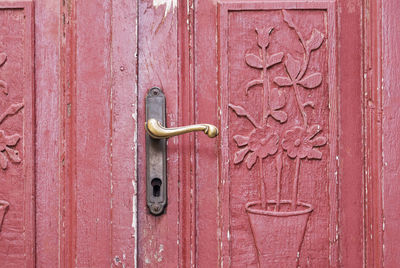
(134, 217)
(169, 5)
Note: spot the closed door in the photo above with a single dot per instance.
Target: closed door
(266, 192)
(303, 171)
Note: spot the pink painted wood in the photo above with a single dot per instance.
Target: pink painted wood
(17, 128)
(86, 73)
(307, 155)
(390, 130)
(205, 236)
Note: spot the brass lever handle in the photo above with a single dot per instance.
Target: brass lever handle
(157, 131)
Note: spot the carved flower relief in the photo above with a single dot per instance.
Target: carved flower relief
(6, 150)
(293, 68)
(263, 36)
(301, 142)
(259, 144)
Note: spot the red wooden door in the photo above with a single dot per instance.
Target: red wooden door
(266, 193)
(303, 172)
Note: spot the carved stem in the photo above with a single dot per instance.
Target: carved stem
(300, 104)
(262, 193)
(305, 65)
(278, 162)
(295, 184)
(266, 89)
(306, 55)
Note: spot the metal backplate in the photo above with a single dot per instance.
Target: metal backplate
(156, 155)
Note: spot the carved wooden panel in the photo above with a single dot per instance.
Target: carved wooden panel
(16, 134)
(279, 166)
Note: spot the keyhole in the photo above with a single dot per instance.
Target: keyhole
(156, 183)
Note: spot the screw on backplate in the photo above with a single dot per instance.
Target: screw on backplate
(155, 91)
(156, 207)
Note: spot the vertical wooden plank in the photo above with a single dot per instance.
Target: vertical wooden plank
(17, 128)
(92, 176)
(206, 110)
(124, 133)
(48, 144)
(372, 130)
(93, 134)
(68, 212)
(390, 129)
(55, 76)
(188, 195)
(158, 66)
(350, 156)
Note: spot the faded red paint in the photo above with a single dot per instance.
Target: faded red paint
(82, 147)
(17, 129)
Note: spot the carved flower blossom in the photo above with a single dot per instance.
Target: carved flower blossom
(6, 142)
(260, 143)
(301, 142)
(263, 36)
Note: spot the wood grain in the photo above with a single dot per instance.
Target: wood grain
(17, 130)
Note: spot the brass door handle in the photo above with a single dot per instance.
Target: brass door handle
(157, 131)
(156, 149)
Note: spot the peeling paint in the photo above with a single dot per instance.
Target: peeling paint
(134, 218)
(158, 256)
(169, 5)
(134, 206)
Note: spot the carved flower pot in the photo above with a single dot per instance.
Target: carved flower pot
(278, 235)
(3, 209)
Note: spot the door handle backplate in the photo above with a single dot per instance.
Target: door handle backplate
(156, 155)
(156, 148)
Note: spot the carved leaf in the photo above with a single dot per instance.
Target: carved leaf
(315, 40)
(292, 67)
(311, 81)
(280, 116)
(251, 160)
(277, 99)
(13, 154)
(239, 155)
(13, 109)
(254, 61)
(252, 84)
(3, 160)
(309, 103)
(241, 140)
(288, 18)
(13, 139)
(314, 130)
(275, 59)
(282, 81)
(314, 154)
(4, 87)
(3, 58)
(319, 141)
(239, 110)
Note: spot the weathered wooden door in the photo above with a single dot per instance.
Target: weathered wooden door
(280, 80)
(304, 171)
